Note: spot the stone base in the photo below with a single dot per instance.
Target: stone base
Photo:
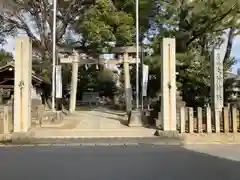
(159, 122)
(22, 137)
(135, 119)
(167, 134)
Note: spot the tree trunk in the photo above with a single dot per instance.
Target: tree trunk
(229, 44)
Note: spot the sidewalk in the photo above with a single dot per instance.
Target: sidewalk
(211, 138)
(108, 126)
(98, 123)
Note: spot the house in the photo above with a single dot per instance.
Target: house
(40, 88)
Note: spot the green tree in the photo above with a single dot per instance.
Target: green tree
(98, 79)
(103, 24)
(147, 12)
(86, 25)
(5, 57)
(199, 27)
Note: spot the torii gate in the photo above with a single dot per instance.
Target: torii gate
(124, 58)
(22, 82)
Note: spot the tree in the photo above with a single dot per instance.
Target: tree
(98, 79)
(103, 24)
(34, 18)
(5, 57)
(191, 20)
(198, 27)
(147, 12)
(85, 24)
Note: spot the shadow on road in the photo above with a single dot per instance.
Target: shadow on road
(124, 162)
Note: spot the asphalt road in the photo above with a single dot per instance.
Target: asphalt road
(114, 163)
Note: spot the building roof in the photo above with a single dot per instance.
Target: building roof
(231, 75)
(34, 76)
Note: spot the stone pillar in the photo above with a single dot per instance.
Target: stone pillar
(209, 120)
(134, 116)
(182, 120)
(1, 96)
(73, 95)
(199, 120)
(6, 120)
(22, 84)
(127, 85)
(168, 84)
(190, 120)
(217, 85)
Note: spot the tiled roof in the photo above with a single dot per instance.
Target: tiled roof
(34, 76)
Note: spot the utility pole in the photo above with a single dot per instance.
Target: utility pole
(137, 54)
(54, 54)
(142, 83)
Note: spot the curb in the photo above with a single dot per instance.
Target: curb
(89, 145)
(97, 141)
(160, 138)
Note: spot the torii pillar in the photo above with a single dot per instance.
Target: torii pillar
(22, 84)
(168, 84)
(74, 60)
(74, 83)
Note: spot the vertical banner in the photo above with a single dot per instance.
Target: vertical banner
(58, 81)
(145, 79)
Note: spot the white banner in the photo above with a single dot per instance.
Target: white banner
(58, 81)
(145, 79)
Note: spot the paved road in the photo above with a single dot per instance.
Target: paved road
(114, 163)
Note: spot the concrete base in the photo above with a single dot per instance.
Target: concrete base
(135, 119)
(159, 123)
(167, 134)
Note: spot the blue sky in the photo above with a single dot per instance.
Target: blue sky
(235, 50)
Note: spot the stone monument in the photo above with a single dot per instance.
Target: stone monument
(217, 85)
(22, 84)
(168, 84)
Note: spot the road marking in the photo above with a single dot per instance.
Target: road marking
(73, 144)
(27, 145)
(58, 145)
(44, 145)
(88, 144)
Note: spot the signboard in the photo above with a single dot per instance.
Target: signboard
(66, 60)
(90, 96)
(145, 79)
(217, 78)
(58, 81)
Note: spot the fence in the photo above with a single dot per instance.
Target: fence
(204, 120)
(6, 120)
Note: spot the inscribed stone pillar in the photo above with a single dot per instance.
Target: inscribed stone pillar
(168, 84)
(217, 85)
(22, 84)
